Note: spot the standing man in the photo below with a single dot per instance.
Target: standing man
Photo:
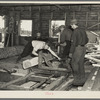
(77, 52)
(65, 40)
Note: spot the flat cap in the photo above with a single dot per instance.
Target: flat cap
(73, 21)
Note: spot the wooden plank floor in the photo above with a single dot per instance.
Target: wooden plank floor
(96, 86)
(93, 80)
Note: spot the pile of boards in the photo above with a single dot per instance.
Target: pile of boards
(93, 80)
(37, 81)
(94, 55)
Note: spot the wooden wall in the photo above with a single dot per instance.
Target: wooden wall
(87, 16)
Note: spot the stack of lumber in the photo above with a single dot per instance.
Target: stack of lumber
(92, 83)
(95, 57)
(94, 54)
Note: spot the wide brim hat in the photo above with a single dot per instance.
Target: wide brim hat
(62, 26)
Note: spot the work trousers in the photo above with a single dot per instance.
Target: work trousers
(27, 50)
(67, 48)
(78, 65)
(44, 57)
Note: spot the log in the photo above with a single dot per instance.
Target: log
(53, 69)
(16, 80)
(90, 81)
(30, 62)
(55, 83)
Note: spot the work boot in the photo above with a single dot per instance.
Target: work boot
(79, 82)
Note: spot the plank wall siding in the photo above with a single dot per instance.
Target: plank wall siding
(41, 15)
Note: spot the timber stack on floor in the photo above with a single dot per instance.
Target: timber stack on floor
(35, 81)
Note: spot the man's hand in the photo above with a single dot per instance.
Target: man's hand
(70, 55)
(57, 44)
(59, 59)
(63, 44)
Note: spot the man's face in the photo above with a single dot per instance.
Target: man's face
(38, 34)
(62, 28)
(46, 46)
(73, 26)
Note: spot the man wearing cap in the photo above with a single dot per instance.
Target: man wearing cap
(65, 40)
(77, 52)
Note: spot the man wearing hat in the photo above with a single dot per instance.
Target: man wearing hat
(77, 52)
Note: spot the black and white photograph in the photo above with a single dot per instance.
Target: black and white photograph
(49, 47)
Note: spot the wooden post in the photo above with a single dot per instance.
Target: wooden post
(58, 51)
(98, 19)
(18, 27)
(74, 15)
(50, 33)
(86, 19)
(39, 19)
(11, 28)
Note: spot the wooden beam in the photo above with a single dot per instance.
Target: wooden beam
(93, 26)
(98, 19)
(61, 8)
(87, 18)
(94, 33)
(40, 19)
(54, 69)
(12, 87)
(92, 58)
(65, 85)
(96, 65)
(39, 78)
(55, 83)
(41, 83)
(16, 80)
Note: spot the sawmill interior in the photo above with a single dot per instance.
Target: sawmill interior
(20, 23)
